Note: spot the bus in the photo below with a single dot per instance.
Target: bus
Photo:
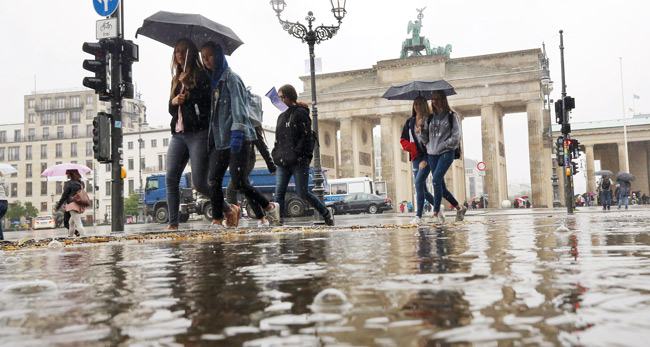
(337, 188)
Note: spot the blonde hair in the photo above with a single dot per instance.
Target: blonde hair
(193, 64)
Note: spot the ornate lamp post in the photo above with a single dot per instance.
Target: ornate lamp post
(547, 88)
(140, 142)
(312, 36)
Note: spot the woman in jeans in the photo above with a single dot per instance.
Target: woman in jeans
(441, 134)
(417, 154)
(70, 189)
(4, 205)
(293, 152)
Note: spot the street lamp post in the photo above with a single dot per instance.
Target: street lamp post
(313, 36)
(140, 141)
(547, 88)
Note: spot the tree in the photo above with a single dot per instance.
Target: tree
(15, 211)
(131, 205)
(30, 211)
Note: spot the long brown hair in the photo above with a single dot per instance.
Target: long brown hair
(418, 101)
(289, 92)
(445, 103)
(74, 175)
(193, 64)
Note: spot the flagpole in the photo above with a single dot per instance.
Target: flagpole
(627, 161)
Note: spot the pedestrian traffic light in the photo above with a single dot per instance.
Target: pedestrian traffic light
(130, 54)
(569, 103)
(100, 66)
(102, 137)
(559, 116)
(559, 150)
(574, 165)
(574, 149)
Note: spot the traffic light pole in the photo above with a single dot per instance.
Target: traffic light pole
(117, 184)
(566, 132)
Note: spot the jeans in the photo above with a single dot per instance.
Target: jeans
(421, 190)
(622, 197)
(440, 164)
(231, 192)
(606, 198)
(220, 160)
(182, 148)
(4, 205)
(301, 177)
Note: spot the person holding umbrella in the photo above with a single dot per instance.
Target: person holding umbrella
(70, 189)
(441, 134)
(4, 204)
(623, 191)
(605, 186)
(231, 134)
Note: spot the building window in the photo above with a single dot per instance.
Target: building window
(74, 101)
(18, 136)
(89, 163)
(59, 132)
(46, 103)
(75, 117)
(165, 142)
(89, 148)
(46, 133)
(142, 163)
(2, 154)
(90, 114)
(28, 170)
(43, 167)
(73, 149)
(60, 118)
(108, 167)
(31, 119)
(141, 143)
(130, 164)
(130, 145)
(28, 189)
(14, 189)
(14, 153)
(43, 206)
(131, 187)
(46, 119)
(108, 188)
(89, 130)
(43, 188)
(89, 98)
(3, 136)
(31, 134)
(32, 103)
(161, 162)
(108, 212)
(59, 150)
(28, 152)
(15, 174)
(75, 131)
(43, 152)
(60, 102)
(59, 187)
(154, 143)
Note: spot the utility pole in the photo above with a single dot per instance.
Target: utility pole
(117, 184)
(567, 104)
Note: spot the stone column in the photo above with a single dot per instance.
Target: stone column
(549, 149)
(328, 147)
(396, 169)
(622, 157)
(494, 154)
(388, 155)
(591, 180)
(561, 177)
(536, 153)
(346, 168)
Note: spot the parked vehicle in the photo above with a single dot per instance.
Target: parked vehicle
(359, 203)
(44, 222)
(338, 188)
(155, 199)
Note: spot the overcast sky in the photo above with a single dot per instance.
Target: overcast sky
(42, 42)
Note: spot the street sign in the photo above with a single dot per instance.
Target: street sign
(106, 28)
(105, 8)
(481, 166)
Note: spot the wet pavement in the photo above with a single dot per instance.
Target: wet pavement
(510, 277)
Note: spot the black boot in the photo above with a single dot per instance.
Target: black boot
(329, 220)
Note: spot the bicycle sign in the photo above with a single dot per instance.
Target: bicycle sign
(106, 28)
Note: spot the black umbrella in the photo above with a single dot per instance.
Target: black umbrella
(169, 27)
(411, 90)
(624, 176)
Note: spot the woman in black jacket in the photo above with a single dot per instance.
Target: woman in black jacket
(189, 106)
(293, 152)
(70, 189)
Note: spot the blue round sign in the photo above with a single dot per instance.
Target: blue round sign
(105, 8)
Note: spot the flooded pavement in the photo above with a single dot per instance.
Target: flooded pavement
(509, 279)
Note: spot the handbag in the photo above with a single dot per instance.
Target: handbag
(81, 198)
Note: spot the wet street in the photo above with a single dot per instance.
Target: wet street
(535, 277)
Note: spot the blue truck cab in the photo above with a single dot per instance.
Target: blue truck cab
(155, 198)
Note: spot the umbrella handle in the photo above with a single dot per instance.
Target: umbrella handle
(187, 51)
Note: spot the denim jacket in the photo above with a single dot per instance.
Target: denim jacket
(229, 111)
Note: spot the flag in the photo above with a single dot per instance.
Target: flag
(275, 100)
(636, 96)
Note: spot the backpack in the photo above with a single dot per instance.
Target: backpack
(255, 112)
(605, 184)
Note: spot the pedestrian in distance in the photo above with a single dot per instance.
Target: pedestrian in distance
(410, 207)
(441, 134)
(411, 143)
(231, 135)
(70, 189)
(293, 151)
(605, 185)
(623, 192)
(4, 204)
(401, 207)
(189, 107)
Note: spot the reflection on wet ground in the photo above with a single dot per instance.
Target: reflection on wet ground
(510, 279)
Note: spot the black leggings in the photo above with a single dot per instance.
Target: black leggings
(220, 160)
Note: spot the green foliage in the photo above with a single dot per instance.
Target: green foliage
(30, 211)
(131, 205)
(15, 211)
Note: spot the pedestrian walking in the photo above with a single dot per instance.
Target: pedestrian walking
(605, 186)
(293, 151)
(411, 143)
(231, 135)
(441, 134)
(189, 107)
(401, 207)
(623, 192)
(70, 189)
(4, 205)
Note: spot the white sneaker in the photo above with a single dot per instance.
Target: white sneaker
(417, 220)
(262, 225)
(274, 213)
(437, 220)
(460, 214)
(216, 226)
(443, 220)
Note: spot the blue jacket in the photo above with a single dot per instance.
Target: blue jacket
(229, 110)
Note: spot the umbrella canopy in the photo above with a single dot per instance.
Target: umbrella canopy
(7, 169)
(61, 178)
(60, 169)
(524, 197)
(411, 90)
(624, 176)
(169, 27)
(602, 173)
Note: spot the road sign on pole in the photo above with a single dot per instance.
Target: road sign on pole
(105, 8)
(481, 166)
(106, 28)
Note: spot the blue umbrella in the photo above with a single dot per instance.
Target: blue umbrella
(411, 90)
(15, 222)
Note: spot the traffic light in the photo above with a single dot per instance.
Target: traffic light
(102, 137)
(559, 118)
(100, 66)
(574, 165)
(130, 54)
(569, 103)
(574, 149)
(559, 151)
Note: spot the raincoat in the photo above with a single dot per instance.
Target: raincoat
(410, 141)
(292, 140)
